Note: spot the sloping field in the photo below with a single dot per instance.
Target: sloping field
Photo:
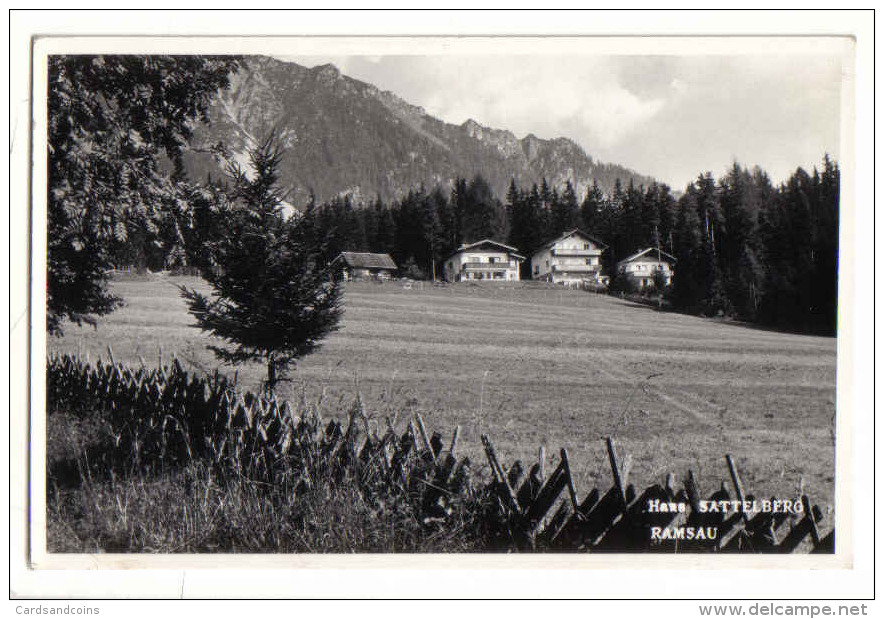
(534, 365)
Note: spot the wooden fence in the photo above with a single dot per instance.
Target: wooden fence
(165, 415)
(660, 518)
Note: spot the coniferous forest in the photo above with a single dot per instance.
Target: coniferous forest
(745, 248)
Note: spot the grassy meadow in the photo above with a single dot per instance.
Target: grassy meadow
(537, 365)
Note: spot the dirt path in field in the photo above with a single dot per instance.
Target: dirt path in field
(681, 399)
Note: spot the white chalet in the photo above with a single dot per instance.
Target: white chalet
(573, 259)
(484, 259)
(643, 267)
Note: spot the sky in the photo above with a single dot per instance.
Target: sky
(670, 117)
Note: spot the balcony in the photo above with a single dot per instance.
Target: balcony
(576, 268)
(576, 253)
(640, 270)
(489, 266)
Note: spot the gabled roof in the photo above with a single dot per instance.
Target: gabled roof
(487, 243)
(663, 255)
(362, 260)
(565, 235)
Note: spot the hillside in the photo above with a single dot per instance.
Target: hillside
(346, 136)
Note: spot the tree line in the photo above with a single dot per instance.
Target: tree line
(759, 252)
(744, 247)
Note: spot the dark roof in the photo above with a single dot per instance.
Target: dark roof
(361, 260)
(485, 243)
(565, 235)
(663, 255)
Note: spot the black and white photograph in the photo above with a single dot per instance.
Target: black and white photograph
(552, 298)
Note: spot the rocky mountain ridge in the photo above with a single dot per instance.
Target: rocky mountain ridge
(344, 136)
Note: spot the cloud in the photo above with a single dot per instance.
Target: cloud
(645, 76)
(543, 95)
(678, 86)
(667, 116)
(615, 114)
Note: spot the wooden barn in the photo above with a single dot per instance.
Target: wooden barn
(361, 265)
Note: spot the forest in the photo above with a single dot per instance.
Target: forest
(744, 247)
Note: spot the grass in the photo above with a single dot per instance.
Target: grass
(195, 509)
(534, 365)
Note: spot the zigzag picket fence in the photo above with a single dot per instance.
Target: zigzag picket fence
(165, 416)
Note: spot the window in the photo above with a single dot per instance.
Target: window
(492, 259)
(586, 246)
(536, 269)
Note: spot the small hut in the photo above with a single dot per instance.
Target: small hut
(361, 265)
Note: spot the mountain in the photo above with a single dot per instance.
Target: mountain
(343, 136)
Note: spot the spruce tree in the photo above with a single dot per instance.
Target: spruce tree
(591, 209)
(411, 240)
(370, 224)
(688, 284)
(438, 219)
(740, 258)
(565, 210)
(826, 252)
(484, 217)
(273, 297)
(459, 201)
(386, 237)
